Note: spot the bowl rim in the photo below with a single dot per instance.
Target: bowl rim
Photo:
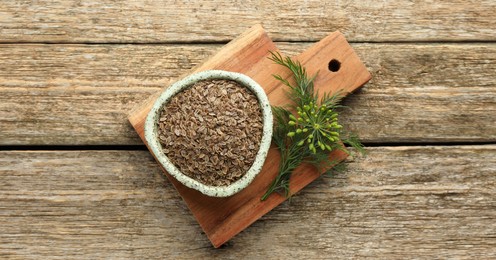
(151, 131)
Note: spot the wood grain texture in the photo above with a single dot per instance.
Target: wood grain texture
(223, 218)
(80, 94)
(398, 202)
(424, 202)
(187, 21)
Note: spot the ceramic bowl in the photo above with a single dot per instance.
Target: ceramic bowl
(151, 132)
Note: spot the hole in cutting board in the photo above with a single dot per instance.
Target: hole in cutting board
(334, 65)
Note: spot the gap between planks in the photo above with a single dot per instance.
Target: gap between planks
(143, 147)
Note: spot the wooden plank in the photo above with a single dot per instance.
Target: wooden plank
(398, 202)
(418, 93)
(223, 218)
(187, 21)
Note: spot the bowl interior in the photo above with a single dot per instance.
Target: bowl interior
(151, 132)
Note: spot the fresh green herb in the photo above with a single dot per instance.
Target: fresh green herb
(310, 135)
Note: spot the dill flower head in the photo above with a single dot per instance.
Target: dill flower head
(316, 126)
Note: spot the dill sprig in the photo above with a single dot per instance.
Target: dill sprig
(311, 134)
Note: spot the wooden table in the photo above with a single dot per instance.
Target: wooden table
(76, 181)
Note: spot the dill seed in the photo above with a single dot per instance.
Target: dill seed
(212, 131)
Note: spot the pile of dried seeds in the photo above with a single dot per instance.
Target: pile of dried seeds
(212, 131)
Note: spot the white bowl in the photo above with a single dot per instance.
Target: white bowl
(151, 132)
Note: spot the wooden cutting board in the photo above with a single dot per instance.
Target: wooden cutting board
(223, 218)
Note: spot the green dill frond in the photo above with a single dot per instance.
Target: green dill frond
(354, 141)
(302, 92)
(321, 161)
(332, 100)
(312, 133)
